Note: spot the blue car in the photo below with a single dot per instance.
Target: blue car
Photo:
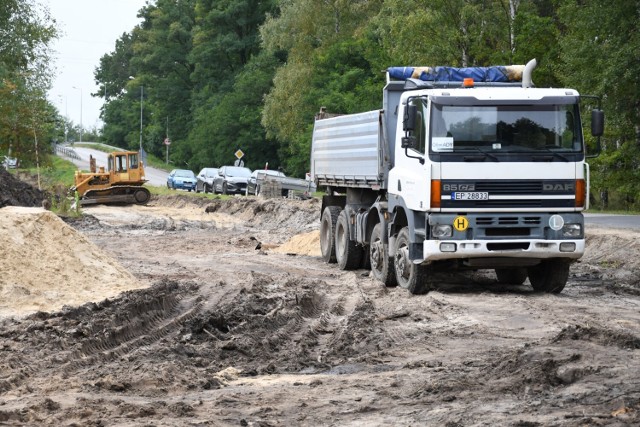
(183, 179)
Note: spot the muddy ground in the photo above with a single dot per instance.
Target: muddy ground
(237, 325)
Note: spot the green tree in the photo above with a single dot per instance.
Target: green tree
(600, 46)
(25, 75)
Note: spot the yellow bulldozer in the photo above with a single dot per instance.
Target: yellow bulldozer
(122, 182)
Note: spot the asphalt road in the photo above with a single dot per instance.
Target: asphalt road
(155, 177)
(613, 221)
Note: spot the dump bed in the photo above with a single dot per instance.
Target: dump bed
(349, 151)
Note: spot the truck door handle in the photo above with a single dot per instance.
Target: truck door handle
(399, 186)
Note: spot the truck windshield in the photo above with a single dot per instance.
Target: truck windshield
(506, 129)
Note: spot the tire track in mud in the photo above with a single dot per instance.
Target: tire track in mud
(142, 319)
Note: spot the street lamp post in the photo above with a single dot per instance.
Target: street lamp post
(141, 100)
(80, 89)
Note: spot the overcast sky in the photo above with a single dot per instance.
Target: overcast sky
(88, 30)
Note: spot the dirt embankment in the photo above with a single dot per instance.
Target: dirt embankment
(243, 324)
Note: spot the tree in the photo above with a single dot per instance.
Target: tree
(600, 55)
(25, 75)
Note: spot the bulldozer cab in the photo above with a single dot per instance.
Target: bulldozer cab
(125, 167)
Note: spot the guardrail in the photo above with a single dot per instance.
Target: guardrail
(66, 151)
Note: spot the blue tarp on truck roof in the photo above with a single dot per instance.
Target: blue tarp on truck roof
(502, 73)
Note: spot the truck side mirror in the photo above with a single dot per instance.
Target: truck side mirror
(597, 122)
(409, 122)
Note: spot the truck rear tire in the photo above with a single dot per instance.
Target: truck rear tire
(412, 277)
(381, 264)
(348, 253)
(511, 276)
(549, 276)
(327, 233)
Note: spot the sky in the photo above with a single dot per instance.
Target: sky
(88, 30)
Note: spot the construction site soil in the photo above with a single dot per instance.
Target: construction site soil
(206, 312)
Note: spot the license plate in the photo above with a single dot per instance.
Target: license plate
(470, 195)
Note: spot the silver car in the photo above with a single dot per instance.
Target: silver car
(231, 180)
(205, 180)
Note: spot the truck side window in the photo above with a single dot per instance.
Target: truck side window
(420, 131)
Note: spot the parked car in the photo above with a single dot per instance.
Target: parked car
(253, 187)
(10, 162)
(231, 180)
(205, 180)
(181, 179)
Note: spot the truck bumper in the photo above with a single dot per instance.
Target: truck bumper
(435, 250)
(515, 236)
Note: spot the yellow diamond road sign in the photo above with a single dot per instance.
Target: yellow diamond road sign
(460, 223)
(239, 154)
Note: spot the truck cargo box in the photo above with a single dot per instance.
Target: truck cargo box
(348, 151)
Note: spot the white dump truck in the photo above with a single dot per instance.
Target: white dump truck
(462, 168)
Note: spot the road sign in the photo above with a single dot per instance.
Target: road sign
(239, 154)
(167, 141)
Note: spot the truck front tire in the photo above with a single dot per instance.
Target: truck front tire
(348, 254)
(381, 263)
(549, 276)
(412, 277)
(327, 233)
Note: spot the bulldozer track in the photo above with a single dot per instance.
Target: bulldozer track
(126, 194)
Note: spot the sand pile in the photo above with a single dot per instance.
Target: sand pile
(301, 244)
(45, 264)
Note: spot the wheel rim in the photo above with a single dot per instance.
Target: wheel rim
(341, 240)
(401, 262)
(376, 253)
(325, 243)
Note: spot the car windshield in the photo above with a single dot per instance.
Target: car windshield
(185, 174)
(505, 128)
(238, 171)
(210, 173)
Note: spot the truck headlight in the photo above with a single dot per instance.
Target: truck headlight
(441, 231)
(572, 230)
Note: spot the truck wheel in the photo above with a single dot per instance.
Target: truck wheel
(511, 276)
(381, 264)
(549, 276)
(413, 277)
(348, 253)
(327, 233)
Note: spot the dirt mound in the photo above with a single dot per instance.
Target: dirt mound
(272, 214)
(45, 264)
(14, 192)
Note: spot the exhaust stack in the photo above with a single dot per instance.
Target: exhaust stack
(528, 71)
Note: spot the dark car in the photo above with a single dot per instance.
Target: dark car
(253, 187)
(205, 180)
(181, 179)
(231, 180)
